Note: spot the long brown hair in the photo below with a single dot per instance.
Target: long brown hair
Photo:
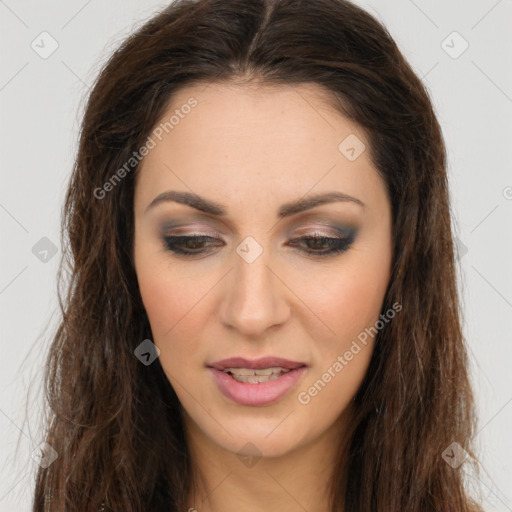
(114, 422)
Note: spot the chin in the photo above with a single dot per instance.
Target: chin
(258, 445)
(258, 437)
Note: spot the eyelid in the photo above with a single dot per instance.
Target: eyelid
(311, 233)
(329, 231)
(182, 231)
(322, 232)
(315, 227)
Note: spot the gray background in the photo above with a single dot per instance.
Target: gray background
(41, 104)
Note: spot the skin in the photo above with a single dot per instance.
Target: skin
(252, 149)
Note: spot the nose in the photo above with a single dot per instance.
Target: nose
(255, 298)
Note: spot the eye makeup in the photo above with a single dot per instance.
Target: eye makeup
(315, 241)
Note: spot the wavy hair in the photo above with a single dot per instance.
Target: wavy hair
(115, 423)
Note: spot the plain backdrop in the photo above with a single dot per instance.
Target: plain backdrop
(462, 51)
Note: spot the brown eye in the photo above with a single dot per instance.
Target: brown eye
(187, 245)
(331, 245)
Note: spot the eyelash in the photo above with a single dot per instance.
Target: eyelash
(338, 244)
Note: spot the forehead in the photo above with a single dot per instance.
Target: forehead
(248, 141)
(232, 114)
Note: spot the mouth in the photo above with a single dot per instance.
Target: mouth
(256, 376)
(256, 382)
(263, 363)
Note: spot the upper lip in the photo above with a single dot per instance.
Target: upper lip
(256, 364)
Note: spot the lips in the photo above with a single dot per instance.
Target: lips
(256, 390)
(256, 364)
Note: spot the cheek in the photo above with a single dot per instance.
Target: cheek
(349, 303)
(357, 301)
(349, 306)
(166, 293)
(358, 293)
(171, 301)
(169, 304)
(348, 300)
(161, 301)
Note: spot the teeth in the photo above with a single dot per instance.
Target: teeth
(256, 376)
(261, 371)
(255, 379)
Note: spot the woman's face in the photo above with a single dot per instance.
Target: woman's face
(254, 286)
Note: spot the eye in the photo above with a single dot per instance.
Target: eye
(332, 245)
(194, 245)
(187, 245)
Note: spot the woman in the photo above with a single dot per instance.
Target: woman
(262, 313)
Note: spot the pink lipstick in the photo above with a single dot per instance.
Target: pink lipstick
(256, 382)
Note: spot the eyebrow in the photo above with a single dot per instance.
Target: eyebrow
(286, 210)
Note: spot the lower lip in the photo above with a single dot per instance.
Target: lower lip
(261, 393)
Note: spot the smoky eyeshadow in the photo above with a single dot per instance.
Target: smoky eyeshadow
(347, 232)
